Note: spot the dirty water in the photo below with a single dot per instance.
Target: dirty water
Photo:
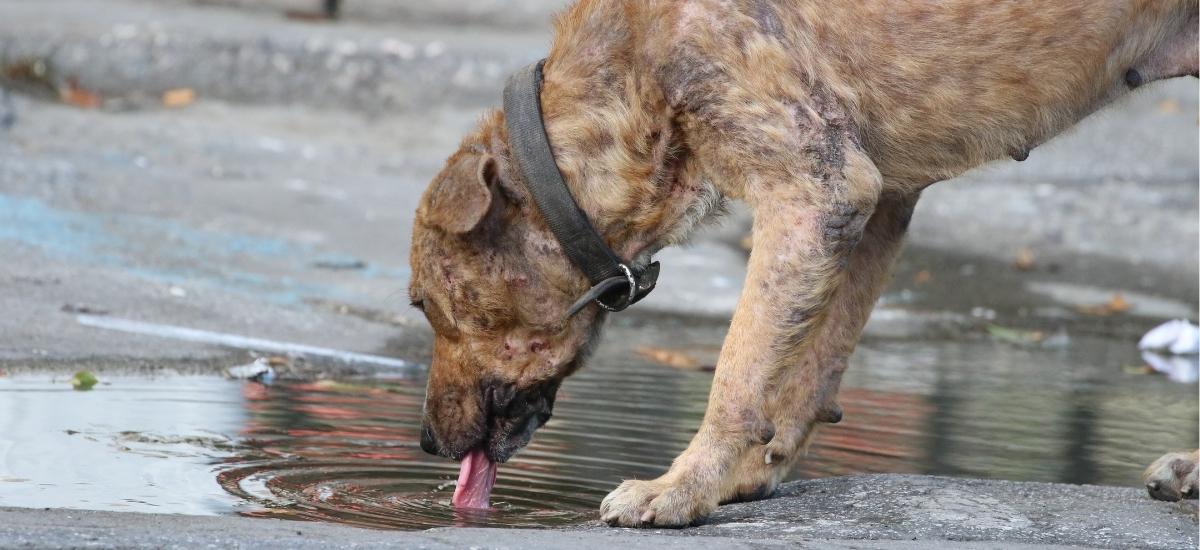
(347, 451)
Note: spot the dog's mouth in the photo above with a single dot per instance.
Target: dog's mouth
(513, 417)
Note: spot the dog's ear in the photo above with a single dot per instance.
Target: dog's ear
(461, 195)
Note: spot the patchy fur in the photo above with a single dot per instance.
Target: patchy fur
(827, 118)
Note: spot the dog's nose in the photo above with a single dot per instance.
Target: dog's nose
(428, 443)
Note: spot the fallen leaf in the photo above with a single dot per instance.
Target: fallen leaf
(923, 276)
(1116, 304)
(74, 94)
(1169, 105)
(83, 380)
(178, 97)
(1138, 369)
(1025, 259)
(668, 357)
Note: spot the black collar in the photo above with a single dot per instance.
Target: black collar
(615, 285)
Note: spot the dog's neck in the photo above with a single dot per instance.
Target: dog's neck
(615, 142)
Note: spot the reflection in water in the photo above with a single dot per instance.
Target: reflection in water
(348, 452)
(1079, 434)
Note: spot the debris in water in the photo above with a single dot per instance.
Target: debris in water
(83, 380)
(259, 371)
(1179, 337)
(1173, 348)
(1116, 304)
(1056, 340)
(922, 277)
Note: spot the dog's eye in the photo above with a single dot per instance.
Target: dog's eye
(419, 304)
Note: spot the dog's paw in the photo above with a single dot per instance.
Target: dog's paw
(656, 503)
(1173, 476)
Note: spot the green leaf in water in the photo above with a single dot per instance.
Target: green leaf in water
(83, 380)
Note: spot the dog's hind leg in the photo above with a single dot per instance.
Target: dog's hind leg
(806, 393)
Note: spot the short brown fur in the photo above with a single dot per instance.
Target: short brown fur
(827, 118)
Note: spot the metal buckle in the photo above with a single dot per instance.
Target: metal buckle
(627, 278)
(633, 288)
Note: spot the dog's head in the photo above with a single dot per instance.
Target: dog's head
(495, 286)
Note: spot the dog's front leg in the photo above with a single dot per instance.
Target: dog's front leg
(812, 195)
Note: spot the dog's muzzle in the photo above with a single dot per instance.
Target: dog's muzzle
(512, 418)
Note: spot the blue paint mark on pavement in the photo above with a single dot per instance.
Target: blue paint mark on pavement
(165, 250)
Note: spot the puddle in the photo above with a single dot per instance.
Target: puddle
(347, 451)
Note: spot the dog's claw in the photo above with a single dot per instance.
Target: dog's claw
(768, 457)
(648, 517)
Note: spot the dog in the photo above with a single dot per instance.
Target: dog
(826, 118)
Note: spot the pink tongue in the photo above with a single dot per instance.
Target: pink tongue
(475, 481)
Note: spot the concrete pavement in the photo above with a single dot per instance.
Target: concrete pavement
(870, 512)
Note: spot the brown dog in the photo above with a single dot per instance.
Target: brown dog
(827, 118)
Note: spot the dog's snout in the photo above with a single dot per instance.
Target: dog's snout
(428, 443)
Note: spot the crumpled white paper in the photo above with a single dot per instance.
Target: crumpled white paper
(259, 371)
(1173, 348)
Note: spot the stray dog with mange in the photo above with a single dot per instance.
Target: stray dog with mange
(826, 118)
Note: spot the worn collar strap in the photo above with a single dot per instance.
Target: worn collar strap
(615, 285)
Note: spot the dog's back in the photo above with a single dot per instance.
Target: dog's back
(941, 87)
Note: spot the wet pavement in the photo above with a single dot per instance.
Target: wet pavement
(346, 451)
(277, 206)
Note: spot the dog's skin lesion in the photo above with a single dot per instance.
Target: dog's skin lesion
(826, 118)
